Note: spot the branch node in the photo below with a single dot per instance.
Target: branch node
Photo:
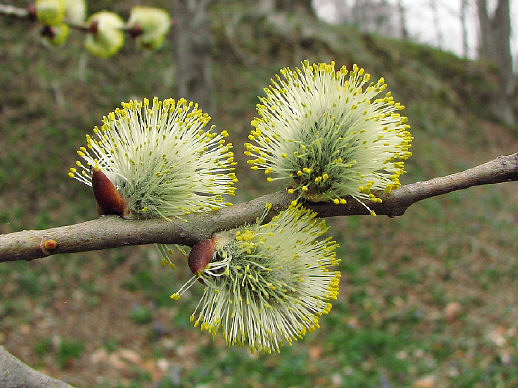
(47, 245)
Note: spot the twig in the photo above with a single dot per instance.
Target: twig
(112, 231)
(14, 373)
(29, 14)
(9, 10)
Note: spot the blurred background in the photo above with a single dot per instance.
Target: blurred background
(428, 299)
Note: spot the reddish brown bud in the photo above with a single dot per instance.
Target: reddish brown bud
(136, 31)
(47, 245)
(50, 244)
(201, 255)
(94, 27)
(48, 31)
(33, 13)
(109, 200)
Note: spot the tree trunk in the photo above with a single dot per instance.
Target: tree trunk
(484, 45)
(501, 31)
(357, 14)
(193, 53)
(436, 21)
(495, 45)
(295, 5)
(403, 31)
(464, 27)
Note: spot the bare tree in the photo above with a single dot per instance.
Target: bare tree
(193, 52)
(436, 21)
(378, 16)
(484, 39)
(294, 5)
(495, 46)
(403, 31)
(463, 12)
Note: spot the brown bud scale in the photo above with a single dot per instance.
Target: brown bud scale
(109, 200)
(201, 255)
(48, 31)
(33, 12)
(136, 31)
(94, 27)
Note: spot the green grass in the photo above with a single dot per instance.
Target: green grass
(43, 347)
(64, 353)
(68, 350)
(141, 315)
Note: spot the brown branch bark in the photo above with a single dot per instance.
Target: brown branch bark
(15, 374)
(113, 231)
(28, 14)
(9, 10)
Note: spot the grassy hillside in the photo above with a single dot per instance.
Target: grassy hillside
(427, 299)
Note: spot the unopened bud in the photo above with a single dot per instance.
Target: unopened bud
(75, 11)
(109, 200)
(106, 36)
(149, 26)
(201, 255)
(56, 35)
(50, 12)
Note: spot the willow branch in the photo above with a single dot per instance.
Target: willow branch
(113, 231)
(14, 373)
(29, 14)
(9, 10)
